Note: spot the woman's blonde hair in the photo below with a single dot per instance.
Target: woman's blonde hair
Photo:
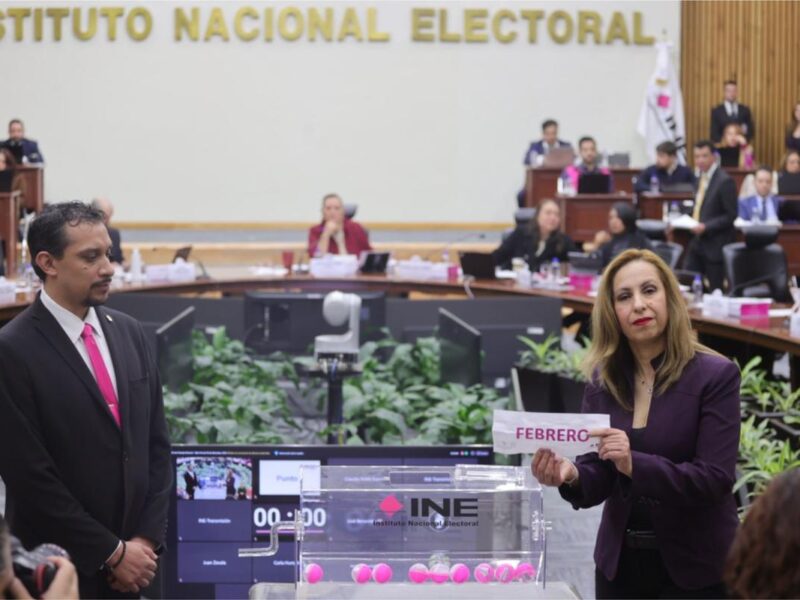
(610, 355)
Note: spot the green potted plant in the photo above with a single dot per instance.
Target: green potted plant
(538, 365)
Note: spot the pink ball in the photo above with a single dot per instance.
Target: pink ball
(484, 573)
(439, 573)
(361, 573)
(525, 572)
(459, 573)
(314, 573)
(418, 573)
(381, 573)
(504, 572)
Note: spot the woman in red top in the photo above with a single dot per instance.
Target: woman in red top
(336, 231)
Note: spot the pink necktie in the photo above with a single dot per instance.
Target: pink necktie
(100, 371)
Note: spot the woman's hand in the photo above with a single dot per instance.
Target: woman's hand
(551, 469)
(616, 447)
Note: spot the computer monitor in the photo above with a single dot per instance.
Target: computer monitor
(289, 322)
(375, 262)
(174, 350)
(460, 350)
(729, 157)
(594, 183)
(501, 320)
(789, 184)
(789, 211)
(242, 490)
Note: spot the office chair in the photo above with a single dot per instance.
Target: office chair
(757, 267)
(670, 252)
(686, 277)
(523, 216)
(653, 229)
(350, 210)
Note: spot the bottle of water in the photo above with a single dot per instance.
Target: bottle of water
(655, 187)
(555, 272)
(697, 290)
(674, 211)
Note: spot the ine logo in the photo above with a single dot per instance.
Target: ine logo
(446, 507)
(390, 505)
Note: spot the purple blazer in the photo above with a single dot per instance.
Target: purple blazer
(684, 473)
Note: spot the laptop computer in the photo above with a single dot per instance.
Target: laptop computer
(678, 188)
(728, 157)
(789, 184)
(16, 151)
(478, 264)
(585, 262)
(558, 158)
(375, 262)
(594, 183)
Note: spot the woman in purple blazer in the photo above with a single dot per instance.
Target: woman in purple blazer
(665, 467)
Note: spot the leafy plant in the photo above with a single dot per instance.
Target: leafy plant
(545, 356)
(233, 398)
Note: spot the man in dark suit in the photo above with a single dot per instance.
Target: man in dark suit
(548, 142)
(23, 149)
(715, 208)
(667, 170)
(104, 205)
(190, 479)
(84, 447)
(763, 205)
(730, 111)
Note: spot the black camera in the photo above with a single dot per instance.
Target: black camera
(32, 568)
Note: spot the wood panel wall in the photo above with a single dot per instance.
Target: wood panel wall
(758, 44)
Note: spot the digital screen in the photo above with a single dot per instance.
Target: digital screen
(228, 497)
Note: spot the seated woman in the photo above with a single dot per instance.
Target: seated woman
(624, 233)
(763, 560)
(539, 242)
(666, 466)
(793, 132)
(336, 235)
(733, 139)
(790, 165)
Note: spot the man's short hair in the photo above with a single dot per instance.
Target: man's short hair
(12, 121)
(326, 196)
(667, 148)
(765, 168)
(730, 82)
(586, 138)
(47, 232)
(704, 144)
(549, 123)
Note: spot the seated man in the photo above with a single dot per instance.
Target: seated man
(336, 235)
(543, 146)
(23, 149)
(587, 148)
(763, 205)
(667, 170)
(104, 206)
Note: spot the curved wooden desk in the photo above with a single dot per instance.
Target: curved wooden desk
(771, 333)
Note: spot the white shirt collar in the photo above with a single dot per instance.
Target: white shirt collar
(69, 322)
(729, 106)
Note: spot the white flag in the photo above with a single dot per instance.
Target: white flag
(661, 117)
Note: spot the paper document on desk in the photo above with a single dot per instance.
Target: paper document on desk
(740, 223)
(566, 434)
(684, 222)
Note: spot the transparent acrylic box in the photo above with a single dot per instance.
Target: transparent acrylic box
(417, 531)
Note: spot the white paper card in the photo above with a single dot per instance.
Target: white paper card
(566, 434)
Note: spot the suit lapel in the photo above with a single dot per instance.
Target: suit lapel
(47, 325)
(710, 190)
(116, 347)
